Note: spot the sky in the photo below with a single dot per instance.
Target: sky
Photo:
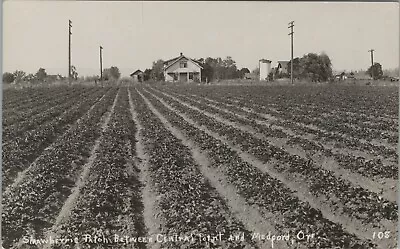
(134, 34)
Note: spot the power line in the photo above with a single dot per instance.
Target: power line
(291, 25)
(101, 63)
(372, 62)
(69, 50)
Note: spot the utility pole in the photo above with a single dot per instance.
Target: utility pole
(372, 62)
(101, 63)
(291, 25)
(69, 51)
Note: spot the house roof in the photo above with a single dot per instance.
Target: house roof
(283, 63)
(137, 72)
(170, 62)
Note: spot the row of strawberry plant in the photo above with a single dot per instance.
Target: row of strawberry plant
(23, 105)
(20, 152)
(189, 205)
(266, 97)
(347, 126)
(31, 207)
(110, 201)
(15, 116)
(320, 182)
(374, 167)
(370, 167)
(344, 115)
(379, 102)
(323, 135)
(245, 121)
(32, 121)
(15, 98)
(263, 190)
(316, 111)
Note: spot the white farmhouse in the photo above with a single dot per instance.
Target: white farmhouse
(182, 69)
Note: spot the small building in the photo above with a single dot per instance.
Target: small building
(341, 77)
(137, 76)
(282, 67)
(182, 69)
(250, 76)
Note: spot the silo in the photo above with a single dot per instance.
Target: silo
(265, 68)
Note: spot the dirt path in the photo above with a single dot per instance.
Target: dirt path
(149, 197)
(300, 190)
(21, 175)
(71, 201)
(249, 216)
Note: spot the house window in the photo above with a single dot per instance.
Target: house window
(183, 64)
(190, 76)
(175, 76)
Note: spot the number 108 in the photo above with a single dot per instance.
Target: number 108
(381, 235)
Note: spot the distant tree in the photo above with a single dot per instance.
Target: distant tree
(200, 61)
(8, 78)
(297, 70)
(229, 68)
(157, 71)
(90, 78)
(29, 78)
(270, 76)
(242, 72)
(74, 73)
(315, 67)
(256, 71)
(218, 69)
(114, 71)
(19, 76)
(147, 74)
(111, 73)
(106, 74)
(41, 74)
(375, 70)
(209, 67)
(326, 67)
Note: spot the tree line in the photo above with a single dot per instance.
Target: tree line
(312, 66)
(41, 75)
(318, 68)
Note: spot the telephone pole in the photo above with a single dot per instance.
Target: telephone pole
(291, 25)
(69, 51)
(101, 63)
(372, 62)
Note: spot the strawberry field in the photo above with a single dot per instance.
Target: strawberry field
(189, 166)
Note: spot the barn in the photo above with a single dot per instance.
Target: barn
(182, 69)
(282, 67)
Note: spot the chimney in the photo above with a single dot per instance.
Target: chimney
(181, 54)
